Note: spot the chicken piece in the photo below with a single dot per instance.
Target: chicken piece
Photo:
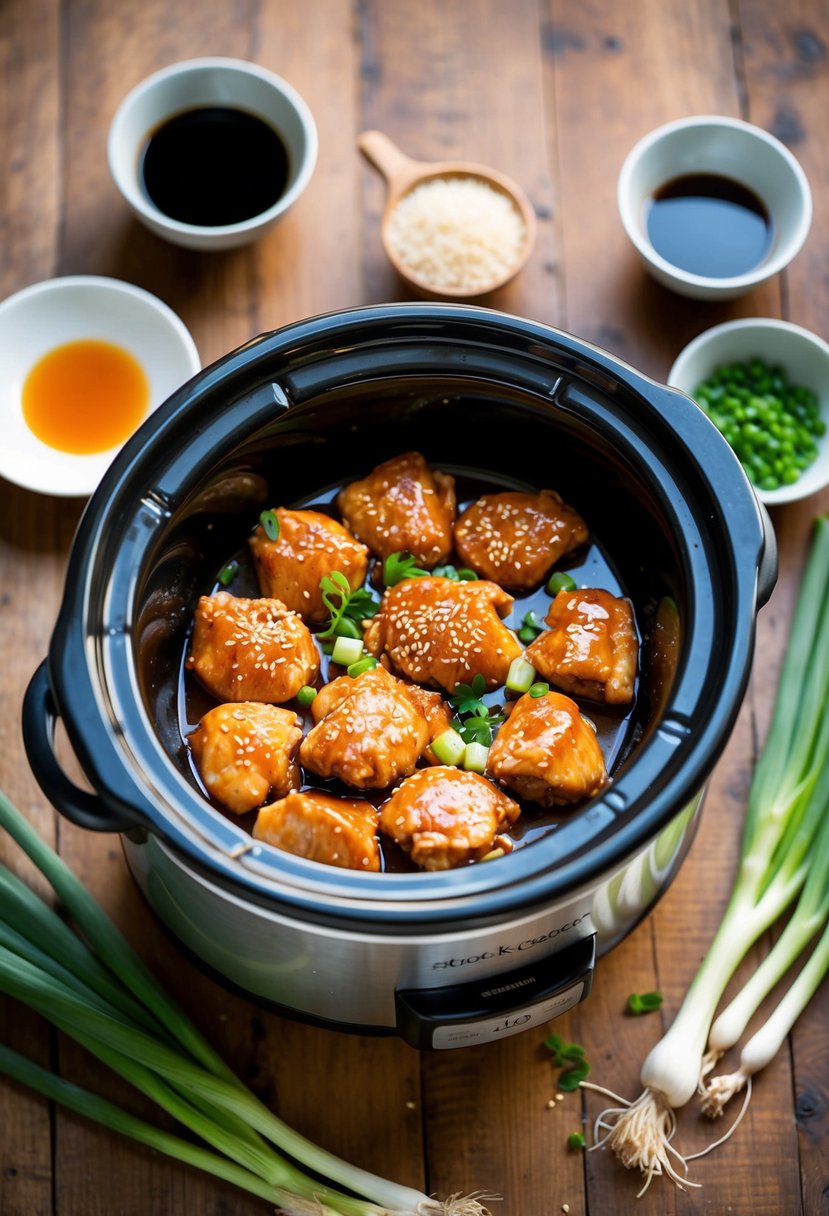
(309, 546)
(251, 650)
(246, 751)
(591, 649)
(514, 538)
(335, 831)
(444, 816)
(547, 752)
(368, 731)
(438, 631)
(437, 713)
(402, 506)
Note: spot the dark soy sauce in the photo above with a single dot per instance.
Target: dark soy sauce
(213, 166)
(709, 225)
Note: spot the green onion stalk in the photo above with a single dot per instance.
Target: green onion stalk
(787, 803)
(95, 988)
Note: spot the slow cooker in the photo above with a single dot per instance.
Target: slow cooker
(451, 958)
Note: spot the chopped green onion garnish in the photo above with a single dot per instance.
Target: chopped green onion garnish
(571, 1059)
(576, 1140)
(561, 582)
(527, 634)
(344, 604)
(305, 696)
(520, 676)
(346, 628)
(449, 748)
(366, 664)
(644, 1002)
(465, 575)
(475, 757)
(228, 573)
(445, 572)
(347, 651)
(270, 524)
(399, 566)
(539, 689)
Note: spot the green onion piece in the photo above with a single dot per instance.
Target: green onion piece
(270, 524)
(305, 696)
(449, 748)
(475, 757)
(465, 575)
(347, 628)
(539, 689)
(561, 582)
(576, 1140)
(228, 573)
(644, 1002)
(366, 664)
(399, 566)
(520, 676)
(527, 634)
(347, 651)
(446, 572)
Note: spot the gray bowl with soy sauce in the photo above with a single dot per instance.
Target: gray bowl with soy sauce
(444, 959)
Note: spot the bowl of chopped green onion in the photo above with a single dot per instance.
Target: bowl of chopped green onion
(764, 384)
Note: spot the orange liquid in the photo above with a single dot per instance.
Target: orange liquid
(85, 396)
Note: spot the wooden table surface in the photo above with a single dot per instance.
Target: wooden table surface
(553, 92)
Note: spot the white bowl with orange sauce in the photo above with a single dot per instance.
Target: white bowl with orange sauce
(83, 362)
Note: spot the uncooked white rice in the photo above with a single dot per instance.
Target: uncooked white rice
(456, 232)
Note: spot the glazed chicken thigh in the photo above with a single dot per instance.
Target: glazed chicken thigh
(251, 650)
(547, 752)
(444, 816)
(402, 505)
(591, 647)
(245, 751)
(441, 632)
(308, 546)
(515, 538)
(368, 731)
(336, 831)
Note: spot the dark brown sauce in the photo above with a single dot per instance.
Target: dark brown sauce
(709, 225)
(589, 566)
(214, 166)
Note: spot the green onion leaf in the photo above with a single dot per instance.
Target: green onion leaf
(644, 1002)
(576, 1140)
(539, 689)
(305, 696)
(344, 605)
(366, 664)
(399, 566)
(561, 582)
(228, 573)
(270, 524)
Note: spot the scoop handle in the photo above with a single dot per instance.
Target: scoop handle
(398, 169)
(81, 807)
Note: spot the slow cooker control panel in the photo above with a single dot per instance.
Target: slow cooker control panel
(480, 1011)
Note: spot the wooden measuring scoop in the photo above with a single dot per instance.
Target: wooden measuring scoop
(403, 175)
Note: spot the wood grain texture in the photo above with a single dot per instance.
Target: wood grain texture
(553, 92)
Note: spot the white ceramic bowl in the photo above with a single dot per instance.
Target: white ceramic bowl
(210, 82)
(803, 356)
(726, 147)
(46, 315)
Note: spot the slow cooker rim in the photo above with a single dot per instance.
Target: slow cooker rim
(630, 835)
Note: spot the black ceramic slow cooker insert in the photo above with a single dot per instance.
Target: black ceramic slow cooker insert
(444, 958)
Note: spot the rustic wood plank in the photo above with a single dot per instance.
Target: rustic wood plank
(32, 544)
(612, 82)
(785, 57)
(434, 76)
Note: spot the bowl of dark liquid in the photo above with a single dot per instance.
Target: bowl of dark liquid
(713, 205)
(209, 153)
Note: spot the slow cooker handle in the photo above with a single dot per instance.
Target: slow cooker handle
(79, 806)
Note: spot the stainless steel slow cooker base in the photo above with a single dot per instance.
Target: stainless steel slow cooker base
(440, 958)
